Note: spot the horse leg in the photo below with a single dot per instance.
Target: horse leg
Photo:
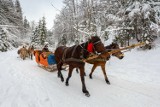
(69, 75)
(104, 73)
(31, 56)
(84, 90)
(59, 67)
(93, 68)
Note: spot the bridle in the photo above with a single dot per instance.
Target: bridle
(97, 42)
(114, 54)
(96, 52)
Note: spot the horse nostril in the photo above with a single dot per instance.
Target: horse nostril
(121, 57)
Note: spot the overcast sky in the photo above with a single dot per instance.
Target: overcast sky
(36, 9)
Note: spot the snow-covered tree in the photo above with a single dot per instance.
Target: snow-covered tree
(26, 25)
(142, 16)
(3, 38)
(10, 22)
(40, 33)
(129, 18)
(6, 42)
(18, 10)
(43, 31)
(35, 36)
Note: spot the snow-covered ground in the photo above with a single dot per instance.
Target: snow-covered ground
(135, 82)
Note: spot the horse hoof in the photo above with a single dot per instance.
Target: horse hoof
(67, 84)
(87, 94)
(90, 76)
(108, 82)
(62, 80)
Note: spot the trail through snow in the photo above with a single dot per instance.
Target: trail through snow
(135, 82)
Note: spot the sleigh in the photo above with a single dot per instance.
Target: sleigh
(45, 60)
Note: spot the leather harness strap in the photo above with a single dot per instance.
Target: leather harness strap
(74, 49)
(64, 54)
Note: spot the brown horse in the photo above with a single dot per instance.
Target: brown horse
(73, 57)
(30, 51)
(23, 52)
(102, 61)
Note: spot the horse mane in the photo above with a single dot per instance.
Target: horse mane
(95, 39)
(110, 47)
(85, 53)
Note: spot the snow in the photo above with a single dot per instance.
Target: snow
(133, 13)
(134, 81)
(146, 8)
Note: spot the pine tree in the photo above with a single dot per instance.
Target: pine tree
(43, 30)
(4, 44)
(35, 36)
(32, 25)
(19, 18)
(18, 10)
(40, 33)
(26, 25)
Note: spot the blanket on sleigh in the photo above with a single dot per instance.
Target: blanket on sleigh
(45, 58)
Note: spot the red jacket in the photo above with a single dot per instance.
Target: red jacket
(90, 47)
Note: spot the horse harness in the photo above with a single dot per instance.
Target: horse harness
(64, 59)
(111, 48)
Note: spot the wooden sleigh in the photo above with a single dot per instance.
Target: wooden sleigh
(45, 60)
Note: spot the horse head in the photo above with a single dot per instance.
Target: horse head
(97, 44)
(115, 47)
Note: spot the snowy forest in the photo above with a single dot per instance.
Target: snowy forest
(121, 21)
(96, 53)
